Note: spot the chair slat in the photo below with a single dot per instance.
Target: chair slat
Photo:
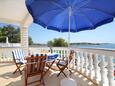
(35, 66)
(18, 57)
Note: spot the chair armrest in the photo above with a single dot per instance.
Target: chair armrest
(61, 59)
(62, 63)
(18, 59)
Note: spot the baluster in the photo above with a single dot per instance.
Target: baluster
(73, 61)
(68, 53)
(61, 53)
(103, 71)
(110, 71)
(64, 53)
(90, 65)
(86, 63)
(2, 57)
(53, 51)
(96, 68)
(78, 60)
(81, 62)
(58, 51)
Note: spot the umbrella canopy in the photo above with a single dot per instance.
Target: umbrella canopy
(84, 14)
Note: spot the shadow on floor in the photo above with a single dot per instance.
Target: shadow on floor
(9, 75)
(50, 78)
(6, 64)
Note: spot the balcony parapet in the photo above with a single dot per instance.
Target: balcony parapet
(97, 65)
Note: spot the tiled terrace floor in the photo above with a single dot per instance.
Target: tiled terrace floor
(7, 78)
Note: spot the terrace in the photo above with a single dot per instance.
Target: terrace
(92, 67)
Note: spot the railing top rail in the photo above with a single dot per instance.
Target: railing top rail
(97, 51)
(88, 50)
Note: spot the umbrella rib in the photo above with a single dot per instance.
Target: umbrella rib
(77, 30)
(47, 12)
(101, 11)
(53, 18)
(50, 19)
(75, 23)
(91, 22)
(66, 3)
(84, 2)
(58, 5)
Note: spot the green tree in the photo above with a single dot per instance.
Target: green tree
(13, 34)
(57, 42)
(50, 43)
(30, 41)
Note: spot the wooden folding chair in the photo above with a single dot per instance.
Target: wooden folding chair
(62, 64)
(35, 66)
(51, 58)
(19, 59)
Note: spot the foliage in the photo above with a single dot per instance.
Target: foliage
(57, 42)
(30, 41)
(50, 43)
(13, 34)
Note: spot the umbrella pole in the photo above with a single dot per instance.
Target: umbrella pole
(68, 81)
(69, 27)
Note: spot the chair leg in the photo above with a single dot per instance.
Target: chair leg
(49, 66)
(26, 82)
(61, 71)
(26, 78)
(42, 79)
(64, 74)
(69, 70)
(58, 73)
(18, 69)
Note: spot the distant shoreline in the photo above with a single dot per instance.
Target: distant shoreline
(104, 46)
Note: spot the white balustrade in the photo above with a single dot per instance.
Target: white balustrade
(81, 62)
(103, 64)
(61, 53)
(96, 68)
(86, 63)
(78, 60)
(110, 71)
(89, 62)
(73, 62)
(64, 53)
(90, 65)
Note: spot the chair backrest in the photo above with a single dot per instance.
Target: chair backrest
(35, 64)
(18, 55)
(71, 56)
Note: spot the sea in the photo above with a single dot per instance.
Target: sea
(98, 46)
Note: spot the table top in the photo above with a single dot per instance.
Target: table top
(52, 56)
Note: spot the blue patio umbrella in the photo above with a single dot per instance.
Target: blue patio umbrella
(71, 15)
(84, 14)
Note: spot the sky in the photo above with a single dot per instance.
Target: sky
(102, 34)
